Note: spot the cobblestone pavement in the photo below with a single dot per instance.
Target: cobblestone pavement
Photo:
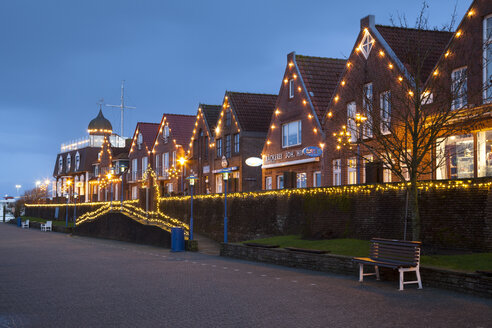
(55, 280)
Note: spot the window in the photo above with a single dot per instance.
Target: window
(291, 89)
(96, 170)
(316, 179)
(165, 164)
(157, 167)
(337, 172)
(487, 59)
(291, 134)
(268, 183)
(365, 160)
(459, 88)
(386, 172)
(367, 107)
(166, 132)
(236, 143)
(218, 183)
(366, 44)
(169, 187)
(301, 180)
(228, 117)
(69, 162)
(219, 147)
(352, 170)
(134, 192)
(139, 141)
(228, 146)
(404, 167)
(280, 182)
(351, 124)
(484, 153)
(385, 106)
(77, 161)
(174, 158)
(60, 164)
(134, 169)
(455, 157)
(145, 161)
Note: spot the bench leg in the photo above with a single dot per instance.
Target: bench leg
(419, 281)
(377, 272)
(361, 272)
(401, 278)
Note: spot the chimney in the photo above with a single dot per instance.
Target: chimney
(368, 21)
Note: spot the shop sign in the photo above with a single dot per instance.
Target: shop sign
(224, 162)
(312, 151)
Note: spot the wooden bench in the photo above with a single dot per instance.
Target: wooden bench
(391, 253)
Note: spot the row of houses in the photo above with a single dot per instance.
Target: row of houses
(298, 132)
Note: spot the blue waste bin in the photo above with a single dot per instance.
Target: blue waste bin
(19, 221)
(177, 240)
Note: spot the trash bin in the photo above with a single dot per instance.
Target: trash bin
(19, 221)
(177, 240)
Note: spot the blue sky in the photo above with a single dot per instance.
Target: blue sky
(58, 58)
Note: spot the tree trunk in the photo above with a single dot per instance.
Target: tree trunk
(414, 207)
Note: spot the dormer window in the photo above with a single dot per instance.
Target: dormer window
(69, 162)
(139, 141)
(291, 89)
(60, 164)
(366, 44)
(165, 134)
(77, 161)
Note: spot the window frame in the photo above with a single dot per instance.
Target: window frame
(487, 42)
(299, 133)
(351, 123)
(228, 146)
(236, 143)
(218, 147)
(337, 172)
(461, 95)
(280, 177)
(291, 89)
(268, 183)
(367, 107)
(315, 183)
(385, 107)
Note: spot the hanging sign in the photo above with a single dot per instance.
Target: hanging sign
(312, 151)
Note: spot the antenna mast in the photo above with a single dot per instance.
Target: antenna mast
(122, 106)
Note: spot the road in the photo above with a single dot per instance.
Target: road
(50, 279)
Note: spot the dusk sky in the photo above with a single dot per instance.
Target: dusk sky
(59, 58)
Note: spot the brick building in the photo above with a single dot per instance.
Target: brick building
(140, 156)
(377, 70)
(240, 133)
(295, 126)
(169, 146)
(201, 155)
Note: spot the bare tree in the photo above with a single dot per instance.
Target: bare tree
(405, 127)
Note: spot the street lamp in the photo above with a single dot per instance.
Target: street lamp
(109, 176)
(123, 172)
(192, 179)
(225, 176)
(69, 183)
(182, 161)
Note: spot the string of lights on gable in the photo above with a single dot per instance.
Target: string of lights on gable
(293, 76)
(199, 116)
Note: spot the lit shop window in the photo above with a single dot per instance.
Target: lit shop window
(268, 183)
(301, 180)
(484, 153)
(352, 170)
(455, 157)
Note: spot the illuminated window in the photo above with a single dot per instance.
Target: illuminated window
(352, 170)
(351, 124)
(301, 180)
(291, 89)
(385, 106)
(280, 182)
(459, 88)
(487, 59)
(366, 44)
(268, 183)
(337, 172)
(367, 107)
(291, 134)
(218, 183)
(455, 157)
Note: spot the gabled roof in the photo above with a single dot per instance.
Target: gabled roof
(253, 111)
(181, 127)
(320, 76)
(149, 132)
(211, 114)
(403, 42)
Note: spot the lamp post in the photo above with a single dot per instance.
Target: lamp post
(182, 161)
(225, 176)
(192, 179)
(69, 183)
(123, 172)
(109, 176)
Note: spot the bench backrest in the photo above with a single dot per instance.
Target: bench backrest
(395, 251)
(48, 224)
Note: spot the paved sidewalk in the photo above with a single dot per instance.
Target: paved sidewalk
(55, 280)
(207, 245)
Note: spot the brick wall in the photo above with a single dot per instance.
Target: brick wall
(454, 218)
